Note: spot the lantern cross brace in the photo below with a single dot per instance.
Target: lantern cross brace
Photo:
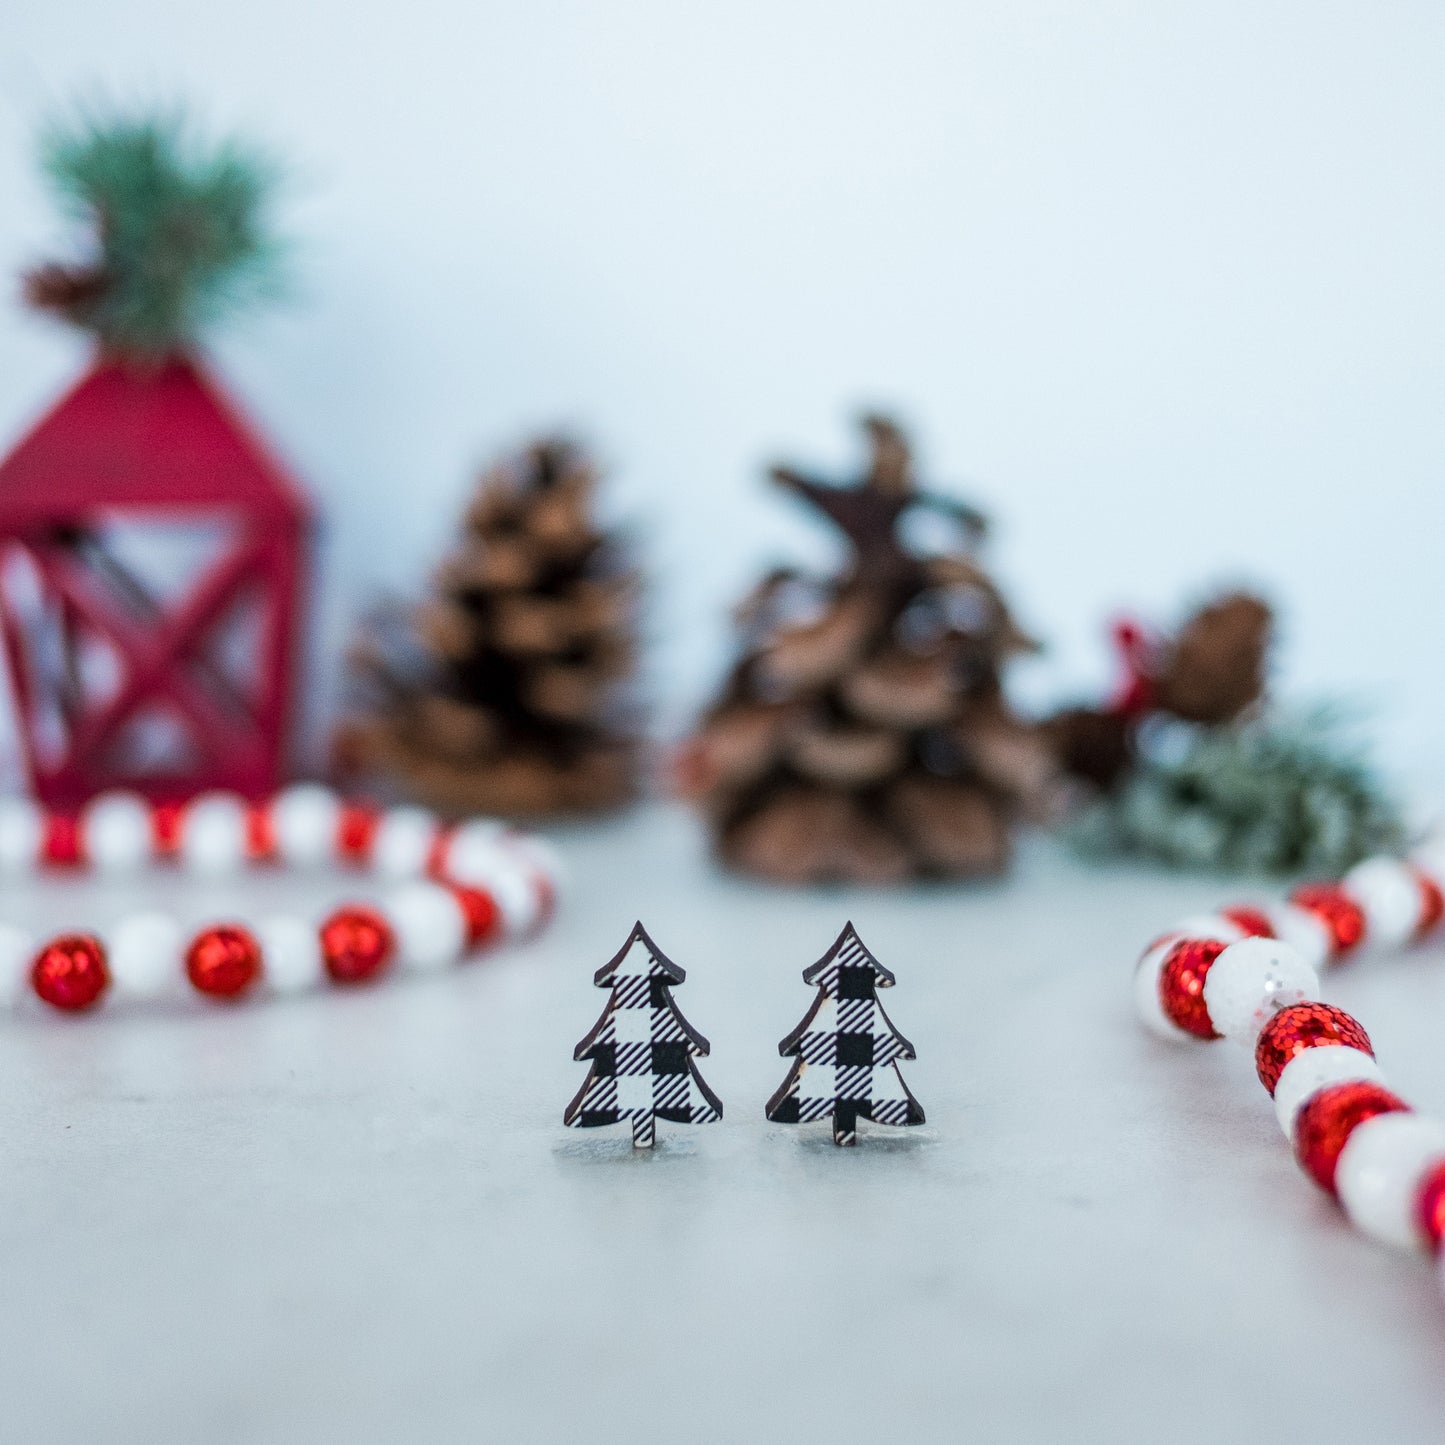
(126, 670)
(158, 650)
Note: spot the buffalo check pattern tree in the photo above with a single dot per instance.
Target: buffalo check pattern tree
(846, 1049)
(642, 1050)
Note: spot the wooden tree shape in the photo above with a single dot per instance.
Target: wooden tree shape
(641, 1050)
(846, 1049)
(869, 511)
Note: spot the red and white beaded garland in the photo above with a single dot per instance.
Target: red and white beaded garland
(449, 892)
(1252, 975)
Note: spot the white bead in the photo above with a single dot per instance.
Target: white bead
(1379, 1173)
(22, 827)
(489, 858)
(1209, 925)
(543, 858)
(213, 834)
(473, 851)
(518, 899)
(304, 820)
(116, 829)
(1304, 931)
(403, 842)
(1389, 894)
(1250, 982)
(1315, 1069)
(290, 954)
(17, 952)
(143, 953)
(1146, 994)
(430, 927)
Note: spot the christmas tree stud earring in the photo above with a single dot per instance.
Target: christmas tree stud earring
(641, 1050)
(846, 1049)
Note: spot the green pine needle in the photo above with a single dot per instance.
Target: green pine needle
(1288, 794)
(180, 228)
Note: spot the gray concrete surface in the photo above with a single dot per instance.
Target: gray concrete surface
(357, 1218)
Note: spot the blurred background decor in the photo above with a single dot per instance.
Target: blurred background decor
(1166, 350)
(1211, 671)
(510, 690)
(864, 734)
(152, 549)
(1195, 765)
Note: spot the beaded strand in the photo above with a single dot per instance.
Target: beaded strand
(447, 893)
(1252, 975)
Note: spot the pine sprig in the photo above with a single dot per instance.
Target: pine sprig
(179, 230)
(1286, 794)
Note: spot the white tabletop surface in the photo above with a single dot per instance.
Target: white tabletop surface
(357, 1217)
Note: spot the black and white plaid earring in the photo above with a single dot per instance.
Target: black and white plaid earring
(846, 1049)
(642, 1050)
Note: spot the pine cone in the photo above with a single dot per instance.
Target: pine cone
(863, 735)
(70, 292)
(510, 692)
(1214, 669)
(1092, 744)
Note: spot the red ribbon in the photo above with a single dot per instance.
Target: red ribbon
(1136, 649)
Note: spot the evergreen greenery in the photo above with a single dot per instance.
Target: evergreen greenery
(180, 233)
(1285, 794)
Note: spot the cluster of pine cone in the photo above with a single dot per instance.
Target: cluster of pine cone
(863, 734)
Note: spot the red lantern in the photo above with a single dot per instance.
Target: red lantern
(140, 676)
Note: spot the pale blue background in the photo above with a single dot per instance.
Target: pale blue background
(1160, 284)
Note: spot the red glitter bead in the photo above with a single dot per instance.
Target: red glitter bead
(1432, 902)
(357, 943)
(479, 909)
(1339, 913)
(1304, 1026)
(1327, 1120)
(224, 961)
(355, 833)
(62, 846)
(1181, 984)
(1430, 1206)
(1254, 921)
(70, 972)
